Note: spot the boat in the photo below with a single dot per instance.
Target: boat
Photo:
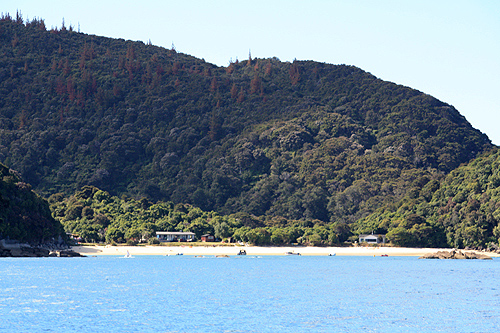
(384, 255)
(332, 254)
(242, 253)
(292, 253)
(127, 255)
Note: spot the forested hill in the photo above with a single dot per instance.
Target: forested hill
(462, 210)
(302, 140)
(25, 216)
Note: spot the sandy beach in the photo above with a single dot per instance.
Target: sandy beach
(256, 250)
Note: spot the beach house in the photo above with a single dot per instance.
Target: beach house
(207, 238)
(372, 239)
(175, 236)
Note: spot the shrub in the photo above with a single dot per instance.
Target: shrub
(131, 242)
(153, 241)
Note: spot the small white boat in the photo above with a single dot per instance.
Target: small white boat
(332, 254)
(292, 253)
(127, 255)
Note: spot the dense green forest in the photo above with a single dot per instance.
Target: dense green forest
(97, 216)
(24, 215)
(462, 210)
(300, 142)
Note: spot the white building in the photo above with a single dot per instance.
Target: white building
(175, 236)
(372, 239)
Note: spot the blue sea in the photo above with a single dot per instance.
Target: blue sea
(249, 294)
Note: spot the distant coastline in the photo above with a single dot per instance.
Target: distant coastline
(256, 250)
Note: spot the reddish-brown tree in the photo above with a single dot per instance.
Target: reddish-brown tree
(268, 69)
(70, 88)
(15, 41)
(294, 73)
(66, 68)
(255, 84)
(213, 85)
(241, 95)
(234, 91)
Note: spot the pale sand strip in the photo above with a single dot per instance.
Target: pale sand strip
(256, 250)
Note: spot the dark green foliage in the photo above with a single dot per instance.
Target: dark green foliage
(24, 216)
(303, 140)
(120, 220)
(463, 210)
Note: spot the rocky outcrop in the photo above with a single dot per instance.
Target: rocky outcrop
(10, 248)
(68, 254)
(455, 254)
(16, 249)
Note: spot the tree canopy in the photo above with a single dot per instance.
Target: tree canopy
(302, 141)
(25, 216)
(460, 210)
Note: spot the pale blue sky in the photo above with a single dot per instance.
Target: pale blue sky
(446, 48)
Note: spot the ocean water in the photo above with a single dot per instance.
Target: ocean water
(249, 294)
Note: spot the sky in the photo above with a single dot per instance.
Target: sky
(449, 49)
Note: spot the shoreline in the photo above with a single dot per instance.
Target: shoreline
(98, 250)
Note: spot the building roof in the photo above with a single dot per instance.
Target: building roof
(177, 233)
(374, 235)
(206, 235)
